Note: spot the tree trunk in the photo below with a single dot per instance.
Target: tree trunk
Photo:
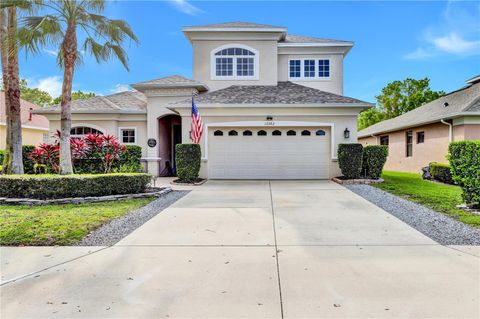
(69, 50)
(4, 53)
(12, 94)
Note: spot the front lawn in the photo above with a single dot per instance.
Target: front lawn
(58, 224)
(439, 197)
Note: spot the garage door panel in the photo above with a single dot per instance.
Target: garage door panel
(268, 157)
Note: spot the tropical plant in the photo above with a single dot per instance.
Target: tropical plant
(103, 38)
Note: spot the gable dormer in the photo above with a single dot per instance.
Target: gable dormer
(241, 53)
(235, 53)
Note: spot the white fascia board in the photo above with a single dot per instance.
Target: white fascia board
(238, 29)
(310, 44)
(323, 105)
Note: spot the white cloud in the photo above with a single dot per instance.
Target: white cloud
(185, 7)
(120, 88)
(418, 54)
(51, 84)
(456, 34)
(454, 43)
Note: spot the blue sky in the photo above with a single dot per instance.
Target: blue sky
(393, 40)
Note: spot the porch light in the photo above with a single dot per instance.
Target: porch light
(346, 133)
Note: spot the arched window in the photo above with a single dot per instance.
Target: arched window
(306, 133)
(262, 133)
(276, 133)
(218, 133)
(291, 133)
(247, 133)
(320, 133)
(80, 131)
(232, 133)
(234, 62)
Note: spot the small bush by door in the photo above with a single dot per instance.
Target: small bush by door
(441, 172)
(188, 159)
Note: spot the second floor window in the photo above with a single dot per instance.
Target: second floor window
(309, 68)
(234, 63)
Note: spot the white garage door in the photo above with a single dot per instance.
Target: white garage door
(268, 153)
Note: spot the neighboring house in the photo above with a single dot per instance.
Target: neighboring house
(422, 135)
(271, 103)
(35, 128)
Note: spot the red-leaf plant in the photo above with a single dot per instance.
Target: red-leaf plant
(92, 146)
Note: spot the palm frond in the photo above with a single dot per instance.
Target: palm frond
(38, 32)
(78, 60)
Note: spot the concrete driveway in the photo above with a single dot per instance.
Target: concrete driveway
(253, 249)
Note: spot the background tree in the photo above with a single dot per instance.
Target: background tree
(103, 38)
(78, 95)
(13, 163)
(397, 98)
(32, 95)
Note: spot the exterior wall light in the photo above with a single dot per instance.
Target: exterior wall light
(346, 133)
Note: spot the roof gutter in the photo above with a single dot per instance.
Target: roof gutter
(450, 130)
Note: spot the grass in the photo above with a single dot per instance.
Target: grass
(439, 197)
(58, 224)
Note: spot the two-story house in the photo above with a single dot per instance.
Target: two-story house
(272, 106)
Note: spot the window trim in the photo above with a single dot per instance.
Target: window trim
(120, 135)
(407, 153)
(302, 69)
(384, 137)
(256, 67)
(423, 137)
(101, 130)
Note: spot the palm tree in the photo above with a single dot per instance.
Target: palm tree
(103, 38)
(9, 51)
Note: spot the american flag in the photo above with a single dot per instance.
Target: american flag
(197, 125)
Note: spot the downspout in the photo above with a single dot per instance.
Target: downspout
(450, 130)
(376, 138)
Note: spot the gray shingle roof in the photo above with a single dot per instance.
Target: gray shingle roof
(464, 100)
(235, 24)
(283, 93)
(290, 38)
(169, 82)
(123, 102)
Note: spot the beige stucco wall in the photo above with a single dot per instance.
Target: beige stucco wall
(30, 136)
(108, 125)
(434, 149)
(267, 69)
(333, 84)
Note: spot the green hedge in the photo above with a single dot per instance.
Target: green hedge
(27, 162)
(129, 163)
(464, 160)
(374, 158)
(441, 172)
(188, 159)
(350, 159)
(63, 186)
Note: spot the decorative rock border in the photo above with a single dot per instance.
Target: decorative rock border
(152, 192)
(174, 182)
(357, 181)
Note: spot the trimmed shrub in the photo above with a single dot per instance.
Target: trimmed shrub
(464, 157)
(27, 162)
(441, 172)
(350, 159)
(63, 186)
(188, 159)
(374, 158)
(130, 159)
(2, 157)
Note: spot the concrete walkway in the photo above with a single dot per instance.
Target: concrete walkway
(252, 249)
